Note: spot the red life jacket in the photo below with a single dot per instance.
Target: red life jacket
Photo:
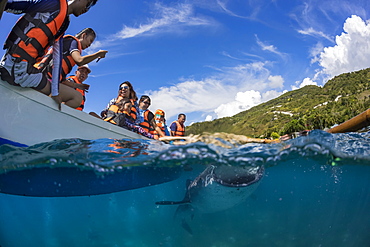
(32, 44)
(180, 129)
(75, 79)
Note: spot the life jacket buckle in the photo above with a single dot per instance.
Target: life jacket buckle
(28, 40)
(18, 60)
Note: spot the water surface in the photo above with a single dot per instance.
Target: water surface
(315, 192)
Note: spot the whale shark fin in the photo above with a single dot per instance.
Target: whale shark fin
(186, 226)
(183, 214)
(172, 202)
(184, 201)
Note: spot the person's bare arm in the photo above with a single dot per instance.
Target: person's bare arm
(73, 84)
(155, 126)
(82, 60)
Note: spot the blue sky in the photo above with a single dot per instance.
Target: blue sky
(215, 58)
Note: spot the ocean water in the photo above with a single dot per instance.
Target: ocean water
(315, 191)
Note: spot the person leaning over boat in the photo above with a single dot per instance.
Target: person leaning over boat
(146, 117)
(177, 127)
(76, 82)
(125, 91)
(160, 120)
(16, 7)
(119, 113)
(72, 49)
(42, 25)
(23, 6)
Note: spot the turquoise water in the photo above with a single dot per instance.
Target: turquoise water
(315, 192)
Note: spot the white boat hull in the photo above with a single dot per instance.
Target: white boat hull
(29, 117)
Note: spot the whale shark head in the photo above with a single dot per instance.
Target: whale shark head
(237, 176)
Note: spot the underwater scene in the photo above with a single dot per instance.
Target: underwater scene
(310, 191)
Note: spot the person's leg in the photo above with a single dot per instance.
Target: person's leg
(26, 76)
(70, 96)
(46, 89)
(94, 114)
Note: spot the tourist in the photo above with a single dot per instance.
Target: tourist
(72, 49)
(146, 117)
(119, 114)
(76, 82)
(125, 91)
(160, 120)
(23, 50)
(177, 127)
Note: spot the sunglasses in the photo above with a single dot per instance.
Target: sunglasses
(146, 102)
(124, 87)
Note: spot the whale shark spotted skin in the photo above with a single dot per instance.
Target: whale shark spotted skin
(218, 188)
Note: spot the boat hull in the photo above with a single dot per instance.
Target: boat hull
(28, 117)
(75, 181)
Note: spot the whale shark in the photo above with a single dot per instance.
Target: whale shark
(216, 189)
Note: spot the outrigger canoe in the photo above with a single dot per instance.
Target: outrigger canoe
(356, 123)
(28, 117)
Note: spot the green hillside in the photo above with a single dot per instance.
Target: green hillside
(310, 107)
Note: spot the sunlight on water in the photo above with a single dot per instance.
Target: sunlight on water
(315, 191)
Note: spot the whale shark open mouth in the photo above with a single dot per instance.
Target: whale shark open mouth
(237, 176)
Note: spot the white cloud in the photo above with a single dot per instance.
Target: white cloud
(306, 81)
(276, 81)
(351, 51)
(316, 51)
(190, 96)
(244, 101)
(169, 19)
(230, 91)
(224, 8)
(209, 118)
(270, 48)
(312, 32)
(272, 94)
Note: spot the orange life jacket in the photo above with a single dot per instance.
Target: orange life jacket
(180, 130)
(32, 44)
(161, 126)
(67, 61)
(133, 112)
(75, 79)
(146, 124)
(114, 108)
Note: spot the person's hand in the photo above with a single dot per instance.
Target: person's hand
(102, 53)
(58, 100)
(83, 86)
